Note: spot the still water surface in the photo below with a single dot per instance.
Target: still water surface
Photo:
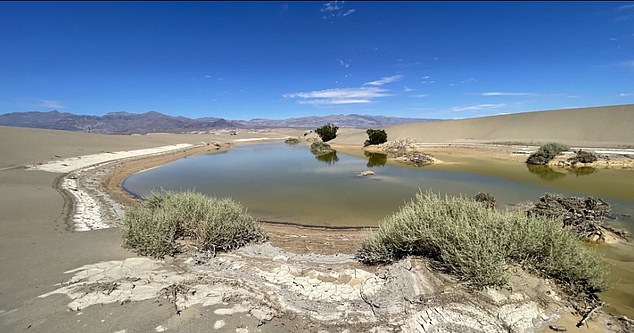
(280, 182)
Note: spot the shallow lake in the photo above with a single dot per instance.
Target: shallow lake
(281, 182)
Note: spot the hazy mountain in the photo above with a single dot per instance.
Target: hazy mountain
(350, 120)
(152, 122)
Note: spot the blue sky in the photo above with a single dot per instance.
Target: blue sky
(276, 60)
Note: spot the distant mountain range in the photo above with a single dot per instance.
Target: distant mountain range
(154, 122)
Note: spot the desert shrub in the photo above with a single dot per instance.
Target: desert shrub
(546, 153)
(486, 199)
(584, 156)
(327, 132)
(478, 244)
(154, 226)
(375, 137)
(292, 141)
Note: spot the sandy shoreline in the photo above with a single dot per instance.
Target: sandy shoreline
(303, 280)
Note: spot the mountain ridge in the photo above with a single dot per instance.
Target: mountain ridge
(122, 122)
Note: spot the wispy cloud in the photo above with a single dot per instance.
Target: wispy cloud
(335, 9)
(339, 96)
(427, 80)
(476, 107)
(421, 95)
(50, 104)
(349, 11)
(498, 93)
(384, 80)
(625, 7)
(408, 89)
(465, 81)
(626, 94)
(344, 64)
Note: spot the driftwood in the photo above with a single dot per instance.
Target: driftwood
(589, 314)
(585, 216)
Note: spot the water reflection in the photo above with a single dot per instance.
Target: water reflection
(545, 172)
(375, 159)
(583, 171)
(329, 158)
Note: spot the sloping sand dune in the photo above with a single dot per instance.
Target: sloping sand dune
(610, 126)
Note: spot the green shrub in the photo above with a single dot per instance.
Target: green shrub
(375, 137)
(154, 226)
(327, 132)
(546, 153)
(479, 244)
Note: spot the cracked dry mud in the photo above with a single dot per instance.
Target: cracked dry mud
(323, 290)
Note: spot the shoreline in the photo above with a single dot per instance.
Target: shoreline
(288, 239)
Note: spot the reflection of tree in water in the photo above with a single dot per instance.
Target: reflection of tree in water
(375, 159)
(545, 172)
(582, 171)
(329, 158)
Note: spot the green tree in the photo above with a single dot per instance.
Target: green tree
(327, 132)
(375, 137)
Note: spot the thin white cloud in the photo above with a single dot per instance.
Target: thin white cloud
(476, 107)
(626, 94)
(465, 81)
(335, 9)
(330, 6)
(335, 101)
(344, 64)
(498, 93)
(625, 7)
(408, 89)
(384, 80)
(421, 95)
(349, 11)
(50, 104)
(339, 96)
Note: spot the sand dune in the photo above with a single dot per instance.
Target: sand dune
(610, 126)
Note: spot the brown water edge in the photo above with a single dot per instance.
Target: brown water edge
(324, 240)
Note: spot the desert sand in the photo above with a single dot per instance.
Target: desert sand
(51, 275)
(609, 126)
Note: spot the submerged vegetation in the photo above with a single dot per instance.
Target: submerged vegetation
(478, 244)
(155, 226)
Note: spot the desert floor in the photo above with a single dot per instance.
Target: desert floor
(38, 248)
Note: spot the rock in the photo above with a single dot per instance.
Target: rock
(320, 148)
(419, 159)
(365, 173)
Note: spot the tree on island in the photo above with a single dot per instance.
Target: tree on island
(375, 137)
(327, 132)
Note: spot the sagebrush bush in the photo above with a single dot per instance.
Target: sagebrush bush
(546, 153)
(154, 226)
(479, 244)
